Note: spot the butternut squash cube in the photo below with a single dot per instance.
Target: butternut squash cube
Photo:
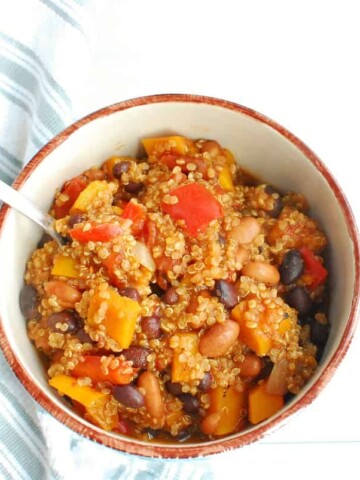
(118, 314)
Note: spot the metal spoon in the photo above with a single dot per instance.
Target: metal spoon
(24, 206)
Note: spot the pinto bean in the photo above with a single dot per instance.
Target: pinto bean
(212, 148)
(152, 394)
(246, 230)
(67, 295)
(263, 272)
(210, 423)
(219, 338)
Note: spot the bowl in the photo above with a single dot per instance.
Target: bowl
(264, 148)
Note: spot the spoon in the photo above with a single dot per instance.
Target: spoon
(25, 206)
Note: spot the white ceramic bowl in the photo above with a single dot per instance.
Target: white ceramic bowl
(263, 147)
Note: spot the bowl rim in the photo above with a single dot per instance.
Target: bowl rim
(127, 444)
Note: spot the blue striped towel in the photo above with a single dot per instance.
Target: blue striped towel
(43, 53)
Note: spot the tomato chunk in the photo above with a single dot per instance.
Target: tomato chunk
(137, 214)
(313, 267)
(196, 206)
(72, 189)
(102, 232)
(92, 367)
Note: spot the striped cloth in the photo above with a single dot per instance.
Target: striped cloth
(44, 49)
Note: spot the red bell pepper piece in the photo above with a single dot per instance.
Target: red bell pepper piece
(137, 214)
(196, 206)
(313, 267)
(92, 367)
(102, 232)
(72, 189)
(111, 263)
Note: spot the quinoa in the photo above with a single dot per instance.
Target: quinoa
(167, 316)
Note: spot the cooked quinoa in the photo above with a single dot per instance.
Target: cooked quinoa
(188, 300)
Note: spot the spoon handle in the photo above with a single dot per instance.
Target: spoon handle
(24, 206)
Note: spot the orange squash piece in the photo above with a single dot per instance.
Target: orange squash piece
(175, 144)
(263, 405)
(119, 317)
(255, 338)
(182, 371)
(83, 394)
(231, 404)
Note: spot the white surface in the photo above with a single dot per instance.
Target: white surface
(296, 62)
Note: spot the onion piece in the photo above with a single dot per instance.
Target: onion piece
(277, 382)
(143, 256)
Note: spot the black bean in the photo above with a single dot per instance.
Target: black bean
(152, 433)
(129, 396)
(291, 267)
(278, 203)
(134, 187)
(29, 301)
(170, 297)
(120, 168)
(267, 368)
(319, 333)
(151, 326)
(184, 435)
(299, 299)
(75, 218)
(227, 293)
(174, 388)
(119, 198)
(45, 238)
(190, 403)
(66, 317)
(138, 356)
(83, 336)
(206, 382)
(156, 290)
(130, 292)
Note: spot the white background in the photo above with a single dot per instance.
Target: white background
(298, 63)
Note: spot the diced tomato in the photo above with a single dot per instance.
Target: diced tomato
(196, 206)
(72, 189)
(92, 367)
(111, 263)
(137, 214)
(313, 267)
(102, 232)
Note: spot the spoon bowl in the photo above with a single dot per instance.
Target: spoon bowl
(26, 207)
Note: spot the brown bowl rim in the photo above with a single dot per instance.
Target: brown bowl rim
(128, 445)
